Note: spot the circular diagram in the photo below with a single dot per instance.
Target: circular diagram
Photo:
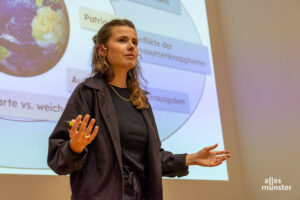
(33, 36)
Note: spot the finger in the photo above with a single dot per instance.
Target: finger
(83, 124)
(72, 122)
(94, 134)
(222, 152)
(218, 163)
(221, 158)
(224, 157)
(75, 126)
(90, 127)
(215, 163)
(211, 147)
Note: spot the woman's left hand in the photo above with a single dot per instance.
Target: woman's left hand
(207, 158)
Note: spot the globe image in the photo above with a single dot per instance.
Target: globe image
(33, 36)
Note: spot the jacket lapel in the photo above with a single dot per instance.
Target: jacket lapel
(108, 112)
(153, 134)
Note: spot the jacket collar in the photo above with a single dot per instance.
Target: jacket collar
(97, 82)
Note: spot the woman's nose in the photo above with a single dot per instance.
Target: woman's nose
(131, 44)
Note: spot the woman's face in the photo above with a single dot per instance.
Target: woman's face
(122, 48)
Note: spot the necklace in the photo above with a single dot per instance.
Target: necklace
(125, 99)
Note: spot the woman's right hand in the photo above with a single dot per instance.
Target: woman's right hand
(82, 137)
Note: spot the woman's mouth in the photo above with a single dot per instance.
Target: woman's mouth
(130, 56)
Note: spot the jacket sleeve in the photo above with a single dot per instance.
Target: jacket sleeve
(61, 159)
(172, 164)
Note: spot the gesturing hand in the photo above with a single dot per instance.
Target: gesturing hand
(207, 158)
(82, 137)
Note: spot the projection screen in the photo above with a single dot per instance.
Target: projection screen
(45, 52)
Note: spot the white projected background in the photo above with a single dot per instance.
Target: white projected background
(45, 51)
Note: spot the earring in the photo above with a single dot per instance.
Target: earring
(100, 47)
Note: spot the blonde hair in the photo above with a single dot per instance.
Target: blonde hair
(100, 64)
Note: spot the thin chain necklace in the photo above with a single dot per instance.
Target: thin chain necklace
(125, 99)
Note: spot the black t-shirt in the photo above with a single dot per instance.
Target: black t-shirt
(133, 130)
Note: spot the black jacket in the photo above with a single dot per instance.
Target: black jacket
(96, 173)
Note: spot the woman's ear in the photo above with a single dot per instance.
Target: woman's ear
(102, 50)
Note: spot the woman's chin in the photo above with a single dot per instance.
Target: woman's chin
(130, 66)
(127, 65)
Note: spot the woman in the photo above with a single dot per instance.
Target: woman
(117, 154)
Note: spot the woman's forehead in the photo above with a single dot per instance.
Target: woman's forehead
(126, 31)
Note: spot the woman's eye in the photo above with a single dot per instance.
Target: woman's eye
(122, 40)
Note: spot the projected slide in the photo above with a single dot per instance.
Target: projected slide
(45, 52)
